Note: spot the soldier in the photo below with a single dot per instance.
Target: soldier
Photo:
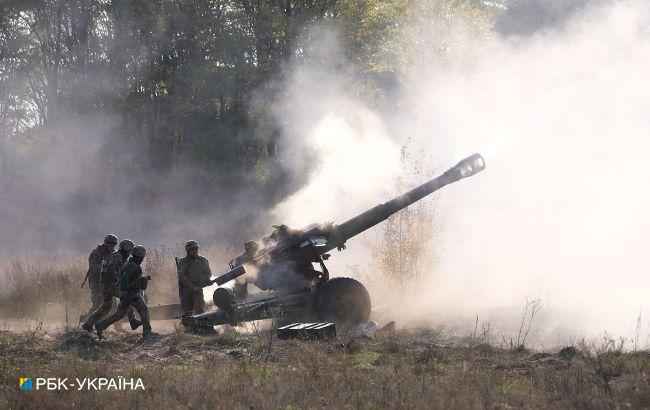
(279, 233)
(107, 282)
(129, 283)
(193, 275)
(250, 252)
(96, 259)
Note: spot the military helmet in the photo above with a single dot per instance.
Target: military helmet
(191, 244)
(126, 245)
(139, 251)
(251, 245)
(110, 238)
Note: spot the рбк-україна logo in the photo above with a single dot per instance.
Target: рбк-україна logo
(25, 383)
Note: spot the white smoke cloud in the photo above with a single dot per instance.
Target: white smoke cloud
(562, 119)
(344, 146)
(560, 212)
(356, 158)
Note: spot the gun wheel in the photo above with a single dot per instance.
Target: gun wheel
(343, 301)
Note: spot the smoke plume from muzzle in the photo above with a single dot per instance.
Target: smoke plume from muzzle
(559, 214)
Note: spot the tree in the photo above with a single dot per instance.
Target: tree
(170, 96)
(404, 251)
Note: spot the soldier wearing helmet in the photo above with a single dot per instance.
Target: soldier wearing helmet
(129, 284)
(96, 260)
(250, 252)
(107, 281)
(193, 275)
(251, 248)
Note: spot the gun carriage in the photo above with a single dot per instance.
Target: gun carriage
(298, 292)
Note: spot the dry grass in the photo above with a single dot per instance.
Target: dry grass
(410, 369)
(36, 284)
(42, 285)
(405, 370)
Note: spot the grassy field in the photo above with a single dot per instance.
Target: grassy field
(413, 368)
(407, 369)
(48, 286)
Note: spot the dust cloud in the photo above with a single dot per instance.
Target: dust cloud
(560, 214)
(559, 111)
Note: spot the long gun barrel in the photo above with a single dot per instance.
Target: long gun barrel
(354, 226)
(337, 235)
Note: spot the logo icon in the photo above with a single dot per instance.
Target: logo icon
(25, 384)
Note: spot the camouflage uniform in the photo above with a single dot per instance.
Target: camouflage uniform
(107, 283)
(193, 273)
(97, 257)
(130, 286)
(240, 290)
(244, 258)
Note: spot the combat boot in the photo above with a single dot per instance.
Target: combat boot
(148, 334)
(136, 324)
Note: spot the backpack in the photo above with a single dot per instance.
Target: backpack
(118, 282)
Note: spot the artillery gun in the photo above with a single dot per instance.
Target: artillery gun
(296, 291)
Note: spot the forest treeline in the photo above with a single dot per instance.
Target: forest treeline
(176, 81)
(133, 104)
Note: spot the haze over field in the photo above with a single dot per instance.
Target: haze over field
(560, 213)
(555, 96)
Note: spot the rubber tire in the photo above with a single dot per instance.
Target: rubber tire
(344, 301)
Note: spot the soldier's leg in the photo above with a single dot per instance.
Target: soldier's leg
(133, 320)
(198, 303)
(96, 296)
(101, 311)
(122, 309)
(199, 307)
(118, 325)
(139, 305)
(131, 315)
(187, 304)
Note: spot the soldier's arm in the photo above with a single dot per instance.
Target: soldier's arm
(94, 261)
(110, 271)
(207, 268)
(205, 277)
(238, 261)
(183, 279)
